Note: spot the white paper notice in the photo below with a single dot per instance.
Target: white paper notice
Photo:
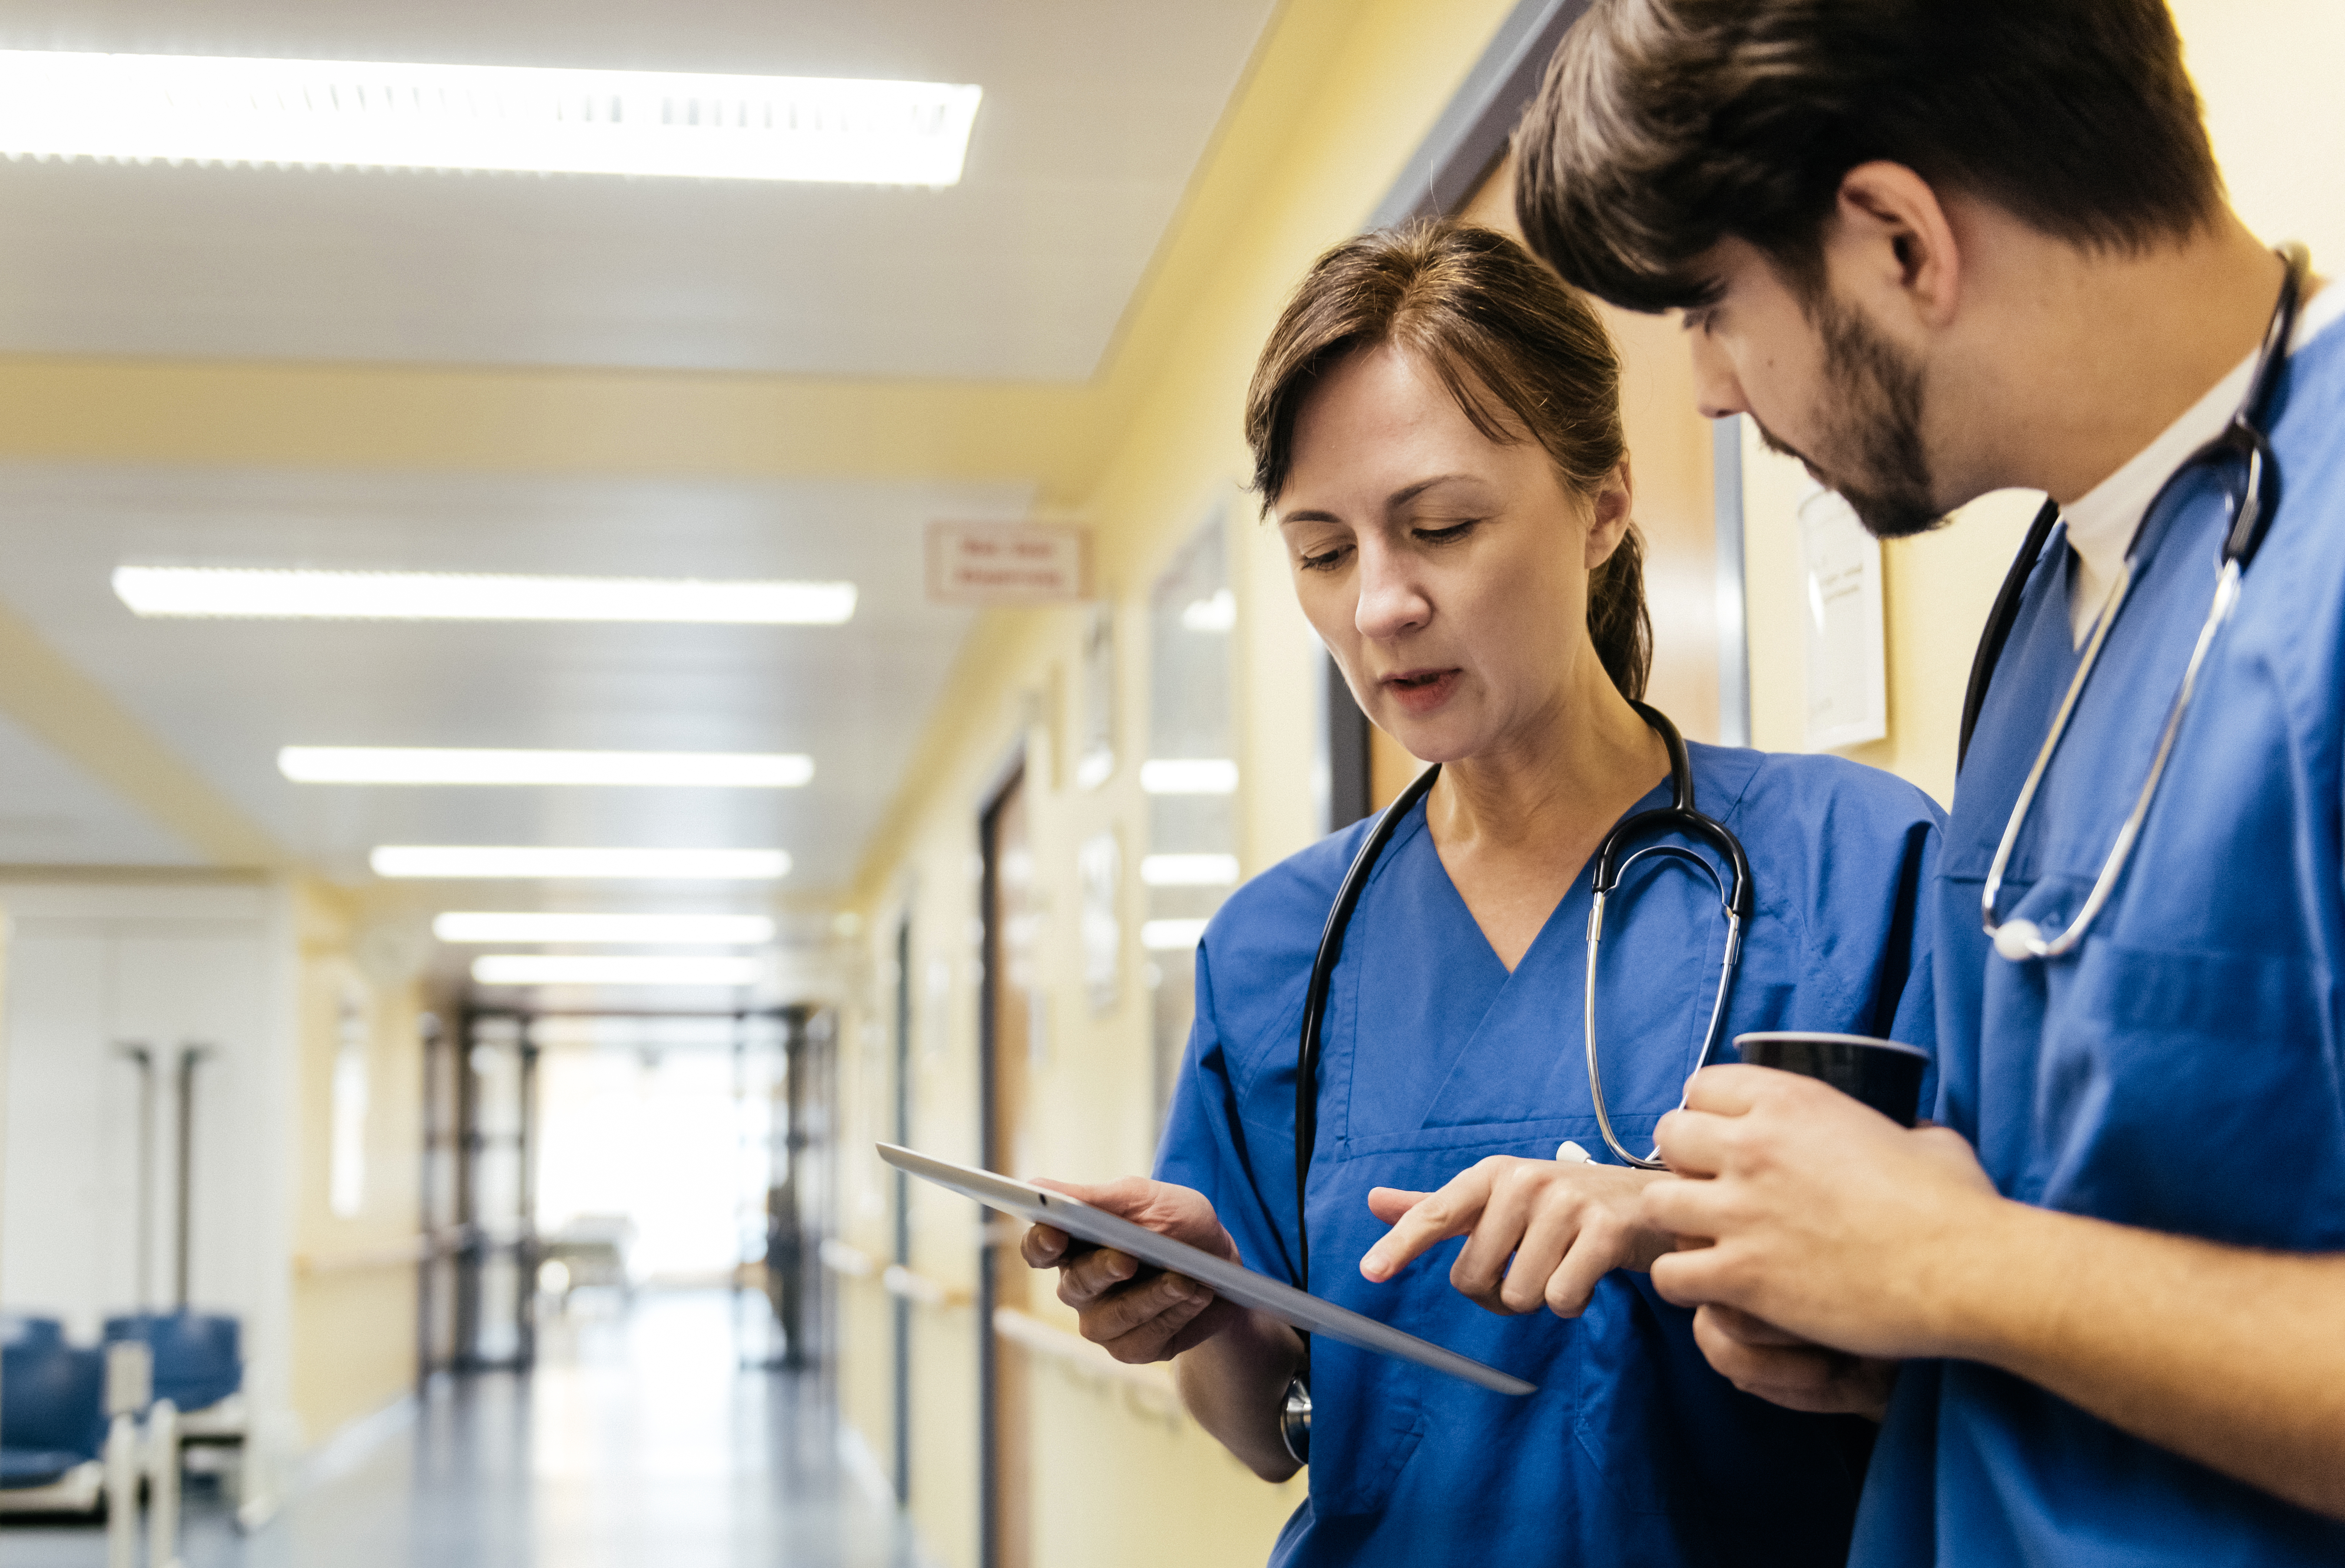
(1848, 676)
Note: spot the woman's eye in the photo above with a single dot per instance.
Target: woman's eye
(1446, 535)
(1325, 561)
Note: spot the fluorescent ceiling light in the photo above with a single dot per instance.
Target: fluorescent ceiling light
(369, 114)
(636, 930)
(1218, 614)
(523, 863)
(1171, 936)
(587, 968)
(267, 594)
(1189, 871)
(428, 765)
(1189, 776)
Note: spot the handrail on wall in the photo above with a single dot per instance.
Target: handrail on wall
(1031, 1334)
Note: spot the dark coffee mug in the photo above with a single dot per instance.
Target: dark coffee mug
(1881, 1073)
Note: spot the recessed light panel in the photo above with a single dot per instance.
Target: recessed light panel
(576, 969)
(138, 108)
(630, 930)
(528, 863)
(269, 593)
(1170, 935)
(429, 764)
(1189, 776)
(1189, 871)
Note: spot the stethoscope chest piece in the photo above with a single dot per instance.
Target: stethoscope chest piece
(1294, 1420)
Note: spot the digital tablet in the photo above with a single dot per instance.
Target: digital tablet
(1231, 1281)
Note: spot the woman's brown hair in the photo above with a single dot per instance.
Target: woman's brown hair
(1520, 353)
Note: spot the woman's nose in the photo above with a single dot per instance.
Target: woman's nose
(1392, 601)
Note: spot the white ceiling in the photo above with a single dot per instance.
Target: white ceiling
(225, 694)
(1095, 114)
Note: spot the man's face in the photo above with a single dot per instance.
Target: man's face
(1822, 383)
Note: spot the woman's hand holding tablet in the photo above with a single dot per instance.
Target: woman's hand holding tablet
(1138, 1313)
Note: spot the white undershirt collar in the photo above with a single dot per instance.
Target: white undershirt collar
(2101, 525)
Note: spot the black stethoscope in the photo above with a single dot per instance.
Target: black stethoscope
(1680, 816)
(2247, 440)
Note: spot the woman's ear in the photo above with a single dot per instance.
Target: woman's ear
(1611, 509)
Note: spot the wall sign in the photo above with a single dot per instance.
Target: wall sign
(1008, 562)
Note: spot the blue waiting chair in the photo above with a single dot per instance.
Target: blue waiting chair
(198, 1359)
(52, 1411)
(24, 1329)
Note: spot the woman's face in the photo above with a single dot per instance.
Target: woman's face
(1446, 572)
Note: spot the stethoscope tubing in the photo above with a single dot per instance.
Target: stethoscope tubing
(2246, 437)
(1736, 898)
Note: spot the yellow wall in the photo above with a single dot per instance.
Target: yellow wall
(353, 1276)
(2264, 68)
(1338, 96)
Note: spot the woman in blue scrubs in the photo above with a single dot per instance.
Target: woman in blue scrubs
(1437, 432)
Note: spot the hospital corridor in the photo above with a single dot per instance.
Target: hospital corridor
(747, 754)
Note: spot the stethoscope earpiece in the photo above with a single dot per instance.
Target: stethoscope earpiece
(2017, 940)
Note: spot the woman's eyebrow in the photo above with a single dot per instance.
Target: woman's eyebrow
(1407, 493)
(1398, 498)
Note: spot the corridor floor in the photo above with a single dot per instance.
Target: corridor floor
(639, 1441)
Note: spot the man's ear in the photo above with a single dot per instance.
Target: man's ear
(1889, 243)
(1614, 507)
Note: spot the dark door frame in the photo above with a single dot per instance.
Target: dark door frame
(1009, 779)
(899, 1309)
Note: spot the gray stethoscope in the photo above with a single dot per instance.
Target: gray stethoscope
(2253, 504)
(1680, 816)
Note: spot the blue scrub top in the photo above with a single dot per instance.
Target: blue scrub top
(2181, 1070)
(1632, 1451)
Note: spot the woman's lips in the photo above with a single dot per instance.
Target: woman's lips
(1421, 690)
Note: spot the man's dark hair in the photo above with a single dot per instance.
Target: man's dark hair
(1667, 125)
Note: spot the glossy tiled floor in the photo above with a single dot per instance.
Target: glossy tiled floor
(638, 1441)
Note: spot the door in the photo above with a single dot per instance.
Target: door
(1006, 1046)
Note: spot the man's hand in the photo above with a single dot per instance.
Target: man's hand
(1539, 1232)
(1783, 1369)
(1138, 1313)
(1833, 1225)
(1825, 1218)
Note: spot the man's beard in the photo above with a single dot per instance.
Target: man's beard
(1875, 418)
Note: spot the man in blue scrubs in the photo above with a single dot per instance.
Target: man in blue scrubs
(1936, 250)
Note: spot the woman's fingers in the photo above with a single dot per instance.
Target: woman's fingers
(1551, 1230)
(1042, 1246)
(1153, 1338)
(1390, 1203)
(1092, 1275)
(1479, 1273)
(1451, 1212)
(1114, 1319)
(1599, 1246)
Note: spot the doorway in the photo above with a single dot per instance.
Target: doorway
(1007, 1045)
